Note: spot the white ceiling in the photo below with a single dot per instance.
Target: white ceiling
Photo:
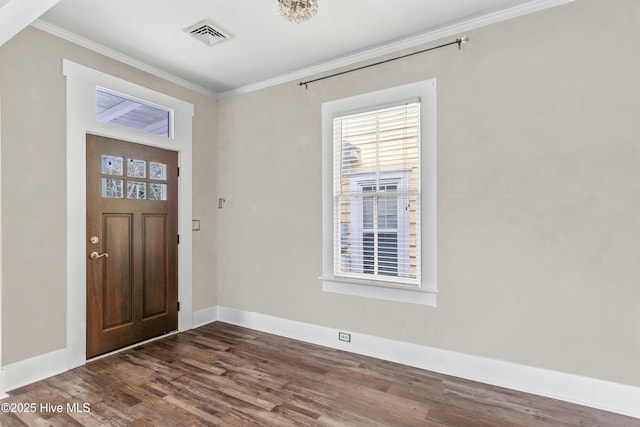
(263, 46)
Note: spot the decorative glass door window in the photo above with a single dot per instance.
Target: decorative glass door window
(136, 189)
(112, 188)
(136, 168)
(157, 171)
(157, 191)
(111, 165)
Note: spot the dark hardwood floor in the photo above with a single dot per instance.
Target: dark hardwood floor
(224, 375)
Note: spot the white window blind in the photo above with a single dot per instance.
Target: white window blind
(376, 188)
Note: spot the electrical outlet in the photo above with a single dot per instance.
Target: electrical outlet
(343, 336)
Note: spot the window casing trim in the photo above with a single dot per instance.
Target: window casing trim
(426, 291)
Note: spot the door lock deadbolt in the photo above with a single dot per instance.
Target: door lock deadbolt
(94, 240)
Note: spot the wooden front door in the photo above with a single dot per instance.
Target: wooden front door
(132, 247)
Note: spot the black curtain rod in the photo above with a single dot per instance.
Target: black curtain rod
(459, 42)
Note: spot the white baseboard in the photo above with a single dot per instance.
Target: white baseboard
(2, 393)
(207, 315)
(34, 369)
(594, 393)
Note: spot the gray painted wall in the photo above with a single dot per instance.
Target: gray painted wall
(538, 196)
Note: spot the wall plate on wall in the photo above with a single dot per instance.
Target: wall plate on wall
(195, 225)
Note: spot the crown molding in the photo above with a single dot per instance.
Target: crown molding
(398, 45)
(353, 58)
(113, 54)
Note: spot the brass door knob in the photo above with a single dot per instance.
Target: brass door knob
(96, 255)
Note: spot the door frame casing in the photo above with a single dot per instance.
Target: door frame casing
(81, 97)
(2, 393)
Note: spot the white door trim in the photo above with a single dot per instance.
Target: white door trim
(81, 87)
(2, 394)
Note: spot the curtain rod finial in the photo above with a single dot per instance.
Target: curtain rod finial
(462, 40)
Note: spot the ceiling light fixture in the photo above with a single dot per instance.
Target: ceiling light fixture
(298, 10)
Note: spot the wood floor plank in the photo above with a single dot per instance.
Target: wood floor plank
(225, 375)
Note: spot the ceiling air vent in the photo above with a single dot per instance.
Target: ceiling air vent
(206, 33)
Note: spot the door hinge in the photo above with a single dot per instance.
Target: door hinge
(178, 239)
(178, 305)
(178, 170)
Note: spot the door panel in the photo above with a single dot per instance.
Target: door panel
(132, 216)
(156, 274)
(117, 281)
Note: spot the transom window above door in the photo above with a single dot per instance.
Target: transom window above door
(134, 179)
(121, 110)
